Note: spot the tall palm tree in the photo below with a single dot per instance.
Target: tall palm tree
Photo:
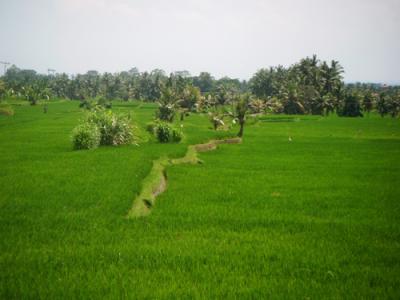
(368, 102)
(291, 99)
(241, 108)
(167, 105)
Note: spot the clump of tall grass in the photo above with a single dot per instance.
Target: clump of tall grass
(86, 136)
(164, 132)
(6, 110)
(103, 127)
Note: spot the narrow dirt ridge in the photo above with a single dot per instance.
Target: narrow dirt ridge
(156, 181)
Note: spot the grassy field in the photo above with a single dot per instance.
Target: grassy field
(315, 217)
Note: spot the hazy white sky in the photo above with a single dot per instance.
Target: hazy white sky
(233, 38)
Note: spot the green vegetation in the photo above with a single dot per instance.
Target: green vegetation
(310, 86)
(306, 207)
(104, 128)
(165, 133)
(156, 182)
(6, 110)
(86, 136)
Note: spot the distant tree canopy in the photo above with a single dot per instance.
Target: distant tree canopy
(310, 86)
(124, 85)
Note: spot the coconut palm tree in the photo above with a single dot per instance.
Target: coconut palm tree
(291, 99)
(368, 102)
(241, 108)
(382, 104)
(167, 105)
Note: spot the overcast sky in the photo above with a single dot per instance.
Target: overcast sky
(234, 38)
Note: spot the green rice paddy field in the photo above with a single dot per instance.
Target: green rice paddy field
(311, 218)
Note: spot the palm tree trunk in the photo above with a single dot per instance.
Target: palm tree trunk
(240, 134)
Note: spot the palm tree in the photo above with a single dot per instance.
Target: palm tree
(35, 93)
(393, 105)
(351, 105)
(222, 95)
(334, 77)
(368, 102)
(257, 106)
(167, 105)
(241, 108)
(382, 104)
(291, 99)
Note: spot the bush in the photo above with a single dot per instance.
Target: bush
(86, 136)
(257, 106)
(273, 105)
(87, 104)
(93, 104)
(103, 102)
(114, 129)
(150, 127)
(165, 133)
(216, 119)
(103, 128)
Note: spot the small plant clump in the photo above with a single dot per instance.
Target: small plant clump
(164, 132)
(92, 104)
(86, 136)
(87, 104)
(6, 110)
(103, 102)
(150, 127)
(112, 130)
(216, 119)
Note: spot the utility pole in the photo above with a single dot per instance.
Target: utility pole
(5, 64)
(50, 71)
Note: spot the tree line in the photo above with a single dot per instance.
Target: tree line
(310, 86)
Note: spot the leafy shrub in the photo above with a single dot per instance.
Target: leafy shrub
(216, 119)
(87, 104)
(150, 127)
(165, 133)
(103, 128)
(98, 103)
(103, 102)
(176, 135)
(114, 129)
(273, 105)
(257, 106)
(86, 136)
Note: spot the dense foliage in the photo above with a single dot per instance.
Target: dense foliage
(164, 132)
(126, 85)
(310, 86)
(86, 136)
(102, 128)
